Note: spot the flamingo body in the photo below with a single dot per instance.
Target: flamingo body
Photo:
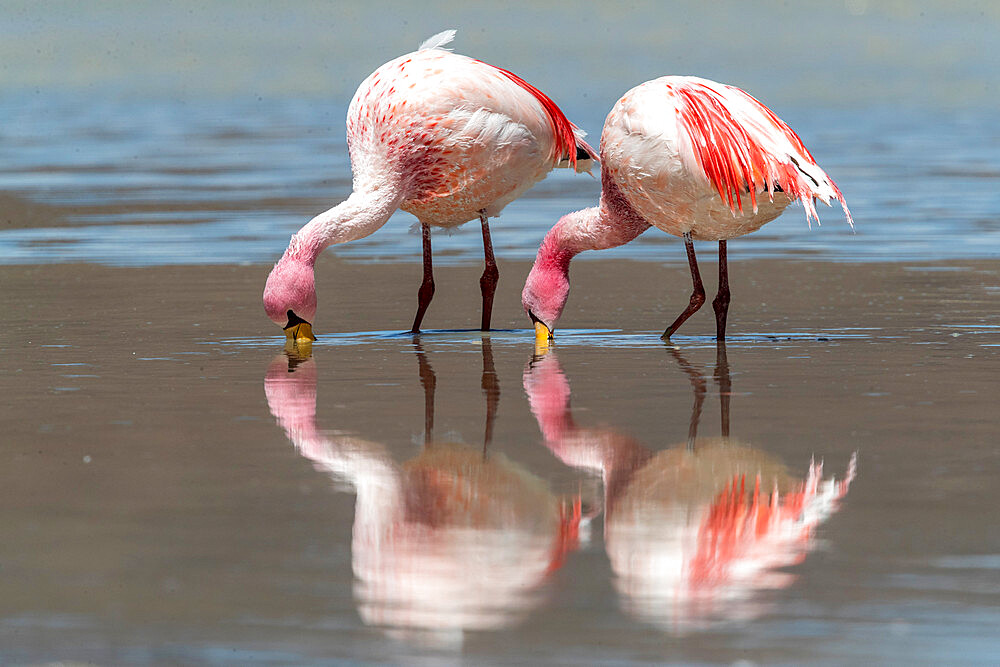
(698, 533)
(456, 135)
(699, 157)
(692, 157)
(440, 135)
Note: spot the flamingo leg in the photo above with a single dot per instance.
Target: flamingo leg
(721, 302)
(491, 390)
(488, 281)
(698, 387)
(428, 380)
(725, 381)
(697, 296)
(426, 291)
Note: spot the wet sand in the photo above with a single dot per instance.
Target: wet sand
(769, 297)
(154, 510)
(177, 489)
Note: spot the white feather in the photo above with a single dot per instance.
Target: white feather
(438, 41)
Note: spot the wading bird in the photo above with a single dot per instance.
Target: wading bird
(444, 137)
(698, 534)
(695, 158)
(451, 541)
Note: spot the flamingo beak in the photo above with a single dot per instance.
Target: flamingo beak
(298, 329)
(542, 335)
(297, 332)
(297, 352)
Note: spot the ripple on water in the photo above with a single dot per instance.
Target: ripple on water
(612, 338)
(183, 187)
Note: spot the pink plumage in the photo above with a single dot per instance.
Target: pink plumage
(445, 137)
(564, 132)
(694, 158)
(695, 533)
(733, 155)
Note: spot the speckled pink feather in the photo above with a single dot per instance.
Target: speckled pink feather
(441, 136)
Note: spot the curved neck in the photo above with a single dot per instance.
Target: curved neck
(612, 223)
(365, 465)
(356, 217)
(567, 238)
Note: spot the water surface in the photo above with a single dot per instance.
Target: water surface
(181, 493)
(180, 489)
(208, 135)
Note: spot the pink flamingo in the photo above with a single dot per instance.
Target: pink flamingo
(695, 533)
(444, 137)
(695, 158)
(448, 542)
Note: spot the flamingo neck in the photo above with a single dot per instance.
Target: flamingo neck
(291, 398)
(613, 222)
(567, 238)
(356, 217)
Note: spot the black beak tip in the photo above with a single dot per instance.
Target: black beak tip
(294, 320)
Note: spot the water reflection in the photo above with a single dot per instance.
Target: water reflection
(456, 539)
(698, 533)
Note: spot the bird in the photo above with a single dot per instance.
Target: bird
(453, 540)
(695, 158)
(440, 135)
(699, 533)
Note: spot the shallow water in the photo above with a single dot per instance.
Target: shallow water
(180, 489)
(227, 182)
(186, 142)
(180, 493)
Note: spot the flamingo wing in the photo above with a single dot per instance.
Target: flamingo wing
(569, 143)
(742, 146)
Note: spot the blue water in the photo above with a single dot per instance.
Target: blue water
(616, 338)
(230, 181)
(187, 141)
(179, 489)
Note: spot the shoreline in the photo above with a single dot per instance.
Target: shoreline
(626, 294)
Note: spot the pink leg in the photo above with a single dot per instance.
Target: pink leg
(426, 291)
(697, 296)
(488, 281)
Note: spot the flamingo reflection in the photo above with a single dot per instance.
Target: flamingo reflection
(696, 534)
(456, 539)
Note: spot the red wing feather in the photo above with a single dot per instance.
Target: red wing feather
(730, 155)
(566, 141)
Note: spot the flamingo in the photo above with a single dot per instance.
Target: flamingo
(453, 540)
(696, 533)
(697, 159)
(444, 137)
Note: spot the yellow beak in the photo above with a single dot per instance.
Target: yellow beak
(542, 335)
(300, 331)
(298, 351)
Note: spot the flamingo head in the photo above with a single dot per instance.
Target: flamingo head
(545, 293)
(290, 297)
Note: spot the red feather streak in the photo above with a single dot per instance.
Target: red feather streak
(729, 155)
(562, 129)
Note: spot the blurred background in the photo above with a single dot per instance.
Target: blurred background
(843, 54)
(128, 118)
